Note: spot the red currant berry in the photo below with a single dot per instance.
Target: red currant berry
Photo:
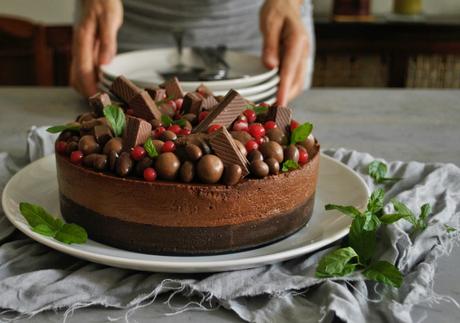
(130, 112)
(214, 128)
(202, 115)
(172, 104)
(240, 125)
(175, 128)
(179, 102)
(256, 130)
(158, 131)
(185, 132)
(250, 115)
(61, 147)
(264, 104)
(76, 157)
(168, 146)
(150, 175)
(270, 125)
(294, 124)
(251, 145)
(303, 156)
(242, 117)
(138, 153)
(260, 140)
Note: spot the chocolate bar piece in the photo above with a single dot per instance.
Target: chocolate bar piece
(124, 88)
(282, 117)
(204, 90)
(224, 147)
(136, 133)
(224, 113)
(173, 88)
(157, 94)
(144, 107)
(102, 133)
(98, 102)
(192, 103)
(209, 103)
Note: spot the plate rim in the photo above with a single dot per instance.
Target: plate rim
(176, 266)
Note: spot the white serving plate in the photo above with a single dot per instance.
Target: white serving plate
(338, 184)
(142, 67)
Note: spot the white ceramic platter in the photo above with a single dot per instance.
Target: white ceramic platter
(37, 184)
(143, 67)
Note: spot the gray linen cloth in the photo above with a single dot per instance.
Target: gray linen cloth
(34, 278)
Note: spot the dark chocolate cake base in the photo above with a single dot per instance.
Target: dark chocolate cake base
(155, 239)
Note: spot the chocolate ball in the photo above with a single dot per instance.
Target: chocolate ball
(190, 117)
(241, 147)
(259, 168)
(209, 169)
(141, 165)
(242, 136)
(75, 139)
(187, 125)
(168, 135)
(309, 144)
(124, 164)
(156, 123)
(114, 144)
(100, 162)
(291, 152)
(255, 155)
(113, 157)
(88, 160)
(65, 135)
(273, 166)
(88, 145)
(87, 116)
(167, 166)
(193, 152)
(205, 148)
(232, 174)
(272, 149)
(277, 135)
(187, 171)
(158, 144)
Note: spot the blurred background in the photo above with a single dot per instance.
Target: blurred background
(360, 43)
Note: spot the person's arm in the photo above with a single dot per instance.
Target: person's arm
(285, 45)
(94, 42)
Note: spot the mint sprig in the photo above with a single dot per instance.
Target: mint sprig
(116, 118)
(150, 148)
(61, 128)
(289, 165)
(340, 262)
(167, 121)
(44, 223)
(419, 223)
(301, 133)
(378, 171)
(384, 272)
(258, 109)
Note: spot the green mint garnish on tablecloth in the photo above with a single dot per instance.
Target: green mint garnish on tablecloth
(116, 118)
(449, 228)
(378, 171)
(150, 148)
(384, 272)
(301, 133)
(44, 223)
(419, 223)
(340, 262)
(289, 165)
(61, 128)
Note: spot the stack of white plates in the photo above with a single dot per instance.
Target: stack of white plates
(247, 74)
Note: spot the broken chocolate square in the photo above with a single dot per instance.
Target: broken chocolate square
(209, 103)
(98, 102)
(192, 103)
(124, 88)
(223, 145)
(173, 88)
(157, 94)
(282, 117)
(144, 107)
(136, 133)
(225, 112)
(102, 133)
(204, 90)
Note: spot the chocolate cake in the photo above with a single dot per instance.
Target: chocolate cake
(169, 172)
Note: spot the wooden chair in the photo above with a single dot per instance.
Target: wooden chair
(25, 58)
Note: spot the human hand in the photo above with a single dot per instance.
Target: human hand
(94, 42)
(285, 45)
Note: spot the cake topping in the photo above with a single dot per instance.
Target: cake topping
(193, 152)
(137, 153)
(98, 102)
(167, 166)
(157, 94)
(187, 171)
(124, 164)
(277, 135)
(102, 133)
(144, 106)
(208, 103)
(232, 174)
(224, 113)
(137, 132)
(225, 148)
(255, 155)
(150, 175)
(259, 168)
(141, 165)
(114, 144)
(192, 103)
(303, 156)
(273, 166)
(173, 88)
(88, 145)
(124, 88)
(282, 117)
(272, 149)
(209, 169)
(291, 152)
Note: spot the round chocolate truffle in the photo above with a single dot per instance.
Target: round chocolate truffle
(259, 168)
(158, 144)
(114, 144)
(291, 152)
(255, 155)
(193, 152)
(272, 149)
(88, 145)
(273, 166)
(209, 169)
(167, 166)
(277, 135)
(124, 164)
(242, 136)
(168, 135)
(241, 147)
(141, 165)
(232, 174)
(187, 171)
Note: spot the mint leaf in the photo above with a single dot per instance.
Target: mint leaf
(361, 240)
(260, 109)
(340, 262)
(150, 148)
(180, 122)
(166, 120)
(61, 128)
(371, 221)
(345, 209)
(71, 233)
(384, 272)
(378, 170)
(44, 230)
(391, 218)
(375, 203)
(449, 229)
(116, 118)
(289, 165)
(301, 133)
